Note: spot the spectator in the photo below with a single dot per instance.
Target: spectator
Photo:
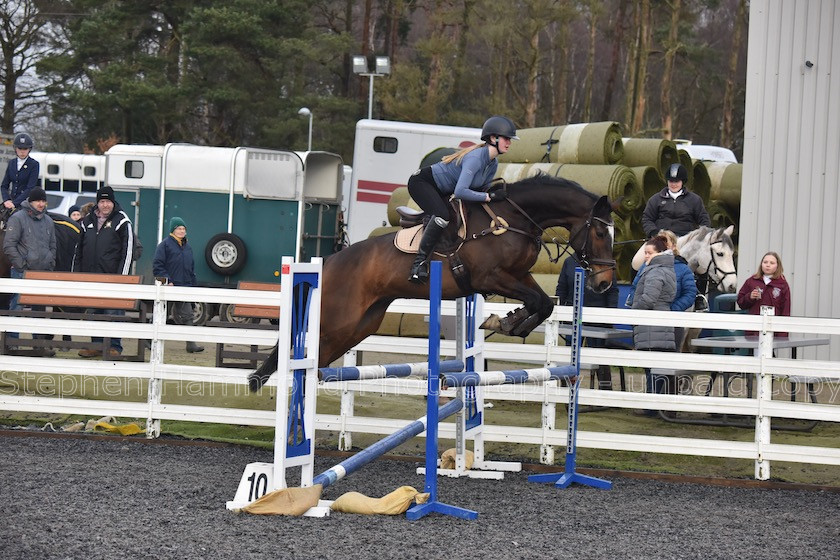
(75, 214)
(85, 210)
(565, 293)
(767, 287)
(106, 246)
(21, 174)
(30, 244)
(67, 234)
(174, 263)
(686, 286)
(676, 209)
(655, 290)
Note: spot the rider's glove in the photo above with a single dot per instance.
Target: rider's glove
(497, 195)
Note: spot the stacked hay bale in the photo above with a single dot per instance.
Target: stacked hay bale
(627, 169)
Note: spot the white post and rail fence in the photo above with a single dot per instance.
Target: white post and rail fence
(762, 366)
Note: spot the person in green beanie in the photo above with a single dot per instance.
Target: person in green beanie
(174, 264)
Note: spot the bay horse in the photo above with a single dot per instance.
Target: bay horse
(361, 281)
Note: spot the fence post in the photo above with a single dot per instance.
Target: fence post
(549, 409)
(155, 360)
(764, 392)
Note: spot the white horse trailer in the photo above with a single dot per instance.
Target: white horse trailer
(385, 155)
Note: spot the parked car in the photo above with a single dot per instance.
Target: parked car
(60, 202)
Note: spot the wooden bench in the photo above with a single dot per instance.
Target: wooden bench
(238, 358)
(74, 307)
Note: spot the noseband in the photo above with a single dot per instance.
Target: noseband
(713, 265)
(585, 261)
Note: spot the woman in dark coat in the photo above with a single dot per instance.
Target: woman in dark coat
(174, 265)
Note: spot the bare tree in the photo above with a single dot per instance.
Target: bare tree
(618, 40)
(671, 47)
(23, 41)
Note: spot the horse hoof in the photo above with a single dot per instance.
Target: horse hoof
(492, 323)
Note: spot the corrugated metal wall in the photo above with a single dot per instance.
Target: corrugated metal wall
(789, 199)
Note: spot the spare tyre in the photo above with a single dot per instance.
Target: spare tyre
(226, 254)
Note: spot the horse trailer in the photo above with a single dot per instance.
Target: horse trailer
(385, 154)
(244, 207)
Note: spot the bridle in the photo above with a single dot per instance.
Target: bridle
(585, 261)
(562, 248)
(713, 265)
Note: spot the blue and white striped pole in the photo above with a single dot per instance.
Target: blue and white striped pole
(362, 458)
(509, 377)
(357, 373)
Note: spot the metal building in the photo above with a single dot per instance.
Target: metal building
(789, 199)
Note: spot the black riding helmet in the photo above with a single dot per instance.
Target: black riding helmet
(23, 141)
(677, 173)
(498, 126)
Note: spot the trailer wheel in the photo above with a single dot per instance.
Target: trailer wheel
(226, 315)
(225, 254)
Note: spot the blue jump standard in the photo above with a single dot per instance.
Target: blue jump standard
(433, 505)
(351, 373)
(569, 476)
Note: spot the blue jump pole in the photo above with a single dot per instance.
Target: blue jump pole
(362, 458)
(433, 505)
(355, 373)
(569, 476)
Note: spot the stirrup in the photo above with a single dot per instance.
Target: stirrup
(419, 274)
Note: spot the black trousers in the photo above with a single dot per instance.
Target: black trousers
(424, 191)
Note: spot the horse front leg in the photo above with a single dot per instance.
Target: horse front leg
(522, 321)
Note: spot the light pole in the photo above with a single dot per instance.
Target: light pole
(381, 67)
(307, 113)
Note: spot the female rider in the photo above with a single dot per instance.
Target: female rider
(464, 175)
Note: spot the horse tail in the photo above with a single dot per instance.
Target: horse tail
(258, 378)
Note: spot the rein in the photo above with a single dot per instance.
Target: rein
(499, 226)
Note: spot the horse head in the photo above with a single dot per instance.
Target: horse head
(711, 252)
(552, 201)
(596, 252)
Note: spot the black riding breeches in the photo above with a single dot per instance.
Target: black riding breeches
(424, 191)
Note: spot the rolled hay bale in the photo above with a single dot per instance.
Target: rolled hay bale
(544, 264)
(725, 181)
(657, 153)
(383, 230)
(615, 181)
(512, 172)
(649, 179)
(685, 160)
(702, 183)
(628, 238)
(399, 197)
(720, 215)
(596, 143)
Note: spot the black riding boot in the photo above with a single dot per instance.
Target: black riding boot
(420, 269)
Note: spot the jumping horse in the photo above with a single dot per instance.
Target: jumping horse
(502, 242)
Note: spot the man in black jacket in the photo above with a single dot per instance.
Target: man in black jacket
(106, 245)
(675, 208)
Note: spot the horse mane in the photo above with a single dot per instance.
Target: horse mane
(544, 180)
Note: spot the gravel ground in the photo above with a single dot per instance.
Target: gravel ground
(85, 498)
